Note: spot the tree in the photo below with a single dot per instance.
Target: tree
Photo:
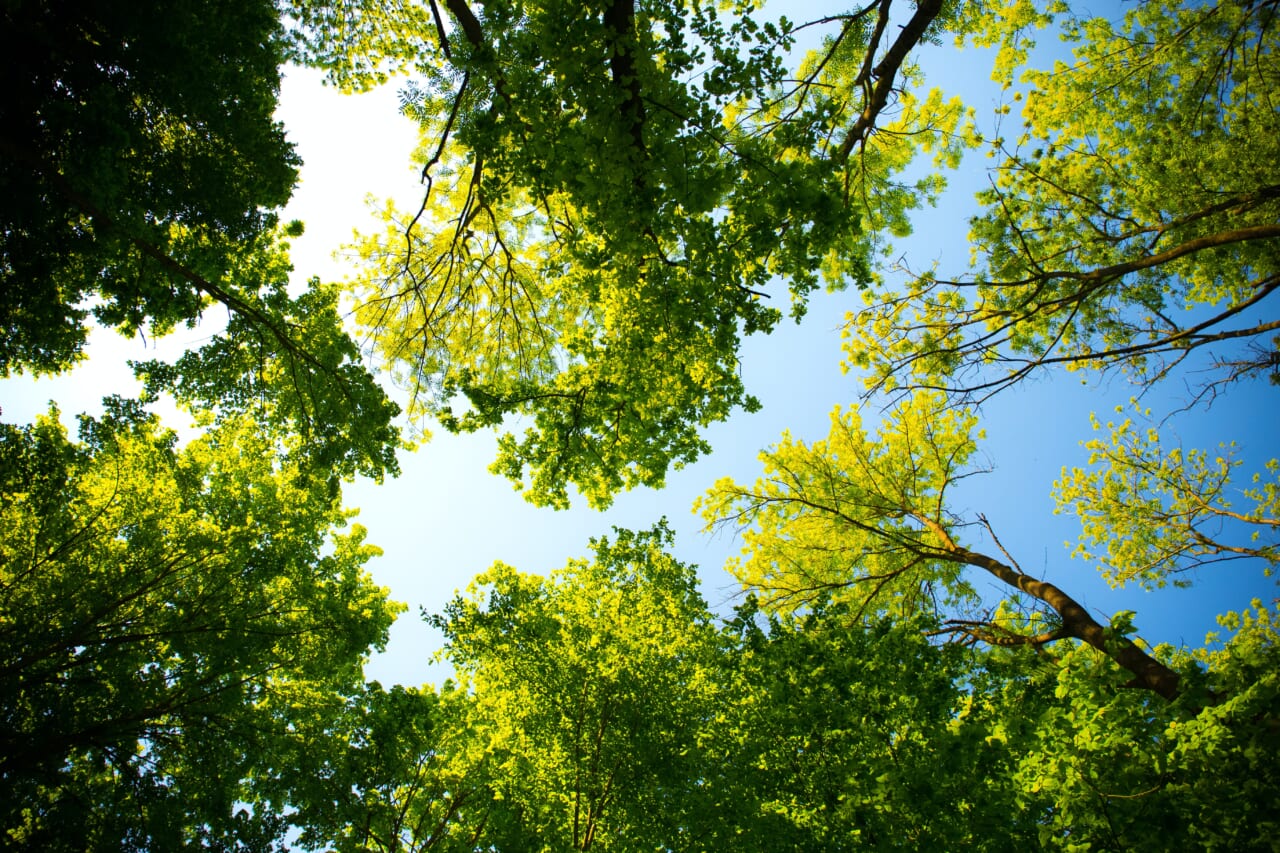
(825, 729)
(380, 769)
(592, 688)
(865, 518)
(600, 708)
(846, 734)
(1099, 768)
(139, 152)
(141, 173)
(1077, 758)
(154, 598)
(597, 231)
(1130, 222)
(310, 383)
(604, 216)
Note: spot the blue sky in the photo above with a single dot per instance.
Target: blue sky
(446, 518)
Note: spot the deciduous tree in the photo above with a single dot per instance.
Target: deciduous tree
(153, 599)
(139, 151)
(141, 176)
(612, 192)
(1101, 768)
(592, 689)
(839, 733)
(1131, 218)
(865, 518)
(380, 769)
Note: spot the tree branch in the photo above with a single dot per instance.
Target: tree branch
(886, 71)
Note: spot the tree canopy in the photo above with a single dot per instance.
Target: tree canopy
(602, 707)
(603, 217)
(142, 176)
(1130, 221)
(153, 598)
(868, 518)
(615, 196)
(139, 152)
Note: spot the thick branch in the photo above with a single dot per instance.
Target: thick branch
(620, 17)
(471, 29)
(887, 71)
(1076, 622)
(1199, 244)
(468, 21)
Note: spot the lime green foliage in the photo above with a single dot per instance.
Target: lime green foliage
(591, 687)
(1012, 28)
(578, 722)
(154, 598)
(1131, 219)
(864, 520)
(855, 516)
(1147, 513)
(359, 44)
(612, 195)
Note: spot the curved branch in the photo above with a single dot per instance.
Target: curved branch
(1078, 624)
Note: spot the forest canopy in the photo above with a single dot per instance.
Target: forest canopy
(616, 200)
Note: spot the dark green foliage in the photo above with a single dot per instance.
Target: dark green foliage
(850, 736)
(142, 165)
(138, 150)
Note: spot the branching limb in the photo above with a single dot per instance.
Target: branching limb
(886, 72)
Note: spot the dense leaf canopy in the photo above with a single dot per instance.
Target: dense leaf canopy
(614, 194)
(139, 152)
(153, 597)
(605, 216)
(141, 176)
(599, 707)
